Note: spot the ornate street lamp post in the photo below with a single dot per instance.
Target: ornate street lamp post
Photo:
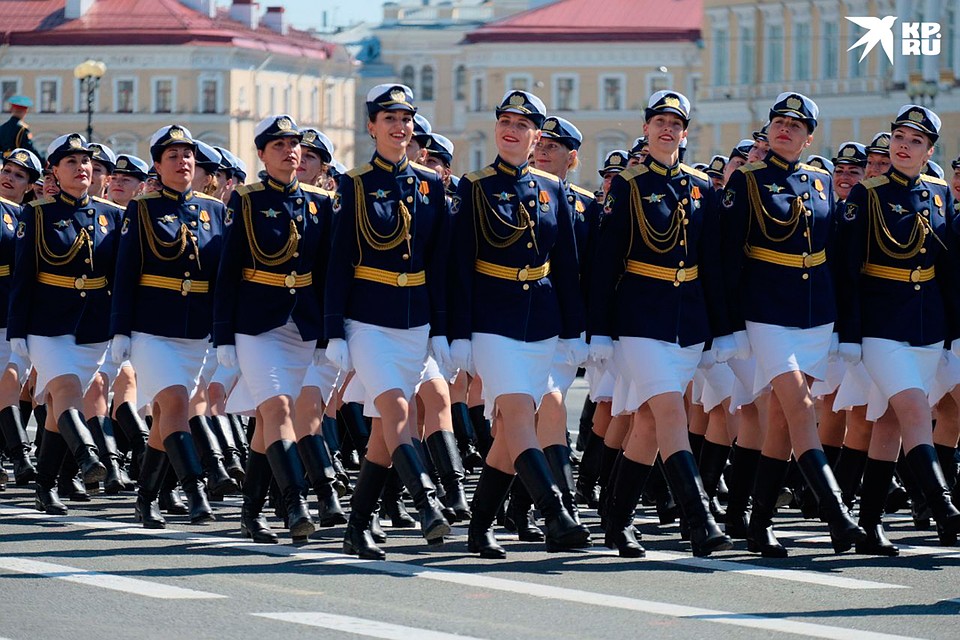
(89, 73)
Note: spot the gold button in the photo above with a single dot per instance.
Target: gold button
(681, 263)
(923, 249)
(83, 294)
(532, 203)
(90, 228)
(406, 256)
(186, 274)
(683, 182)
(89, 212)
(915, 275)
(290, 280)
(193, 223)
(293, 290)
(192, 256)
(570, 199)
(526, 287)
(807, 261)
(193, 207)
(522, 274)
(409, 198)
(299, 218)
(923, 193)
(682, 243)
(529, 245)
(684, 201)
(916, 287)
(86, 260)
(299, 200)
(676, 283)
(681, 276)
(805, 276)
(402, 280)
(532, 183)
(803, 178)
(806, 196)
(186, 286)
(409, 180)
(296, 254)
(686, 222)
(80, 283)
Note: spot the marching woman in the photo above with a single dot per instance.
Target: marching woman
(658, 241)
(517, 289)
(60, 307)
(162, 316)
(778, 218)
(385, 301)
(21, 169)
(268, 319)
(900, 307)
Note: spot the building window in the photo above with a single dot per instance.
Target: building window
(478, 93)
(208, 96)
(659, 82)
(460, 83)
(163, 96)
(314, 105)
(747, 62)
(611, 93)
(328, 102)
(801, 51)
(426, 83)
(409, 77)
(272, 105)
(853, 58)
(123, 143)
(565, 96)
(477, 156)
(521, 82)
(8, 89)
(721, 57)
(124, 92)
(831, 41)
(774, 57)
(49, 96)
(287, 98)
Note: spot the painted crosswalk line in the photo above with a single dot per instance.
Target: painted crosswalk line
(361, 626)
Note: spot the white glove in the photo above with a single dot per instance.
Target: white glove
(319, 357)
(575, 350)
(120, 348)
(834, 344)
(600, 350)
(743, 345)
(440, 350)
(461, 354)
(724, 348)
(227, 356)
(19, 347)
(708, 357)
(850, 352)
(339, 354)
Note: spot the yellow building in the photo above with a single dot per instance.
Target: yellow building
(755, 50)
(218, 72)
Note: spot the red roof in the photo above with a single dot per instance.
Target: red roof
(144, 22)
(593, 20)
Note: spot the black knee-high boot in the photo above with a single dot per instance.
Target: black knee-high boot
(743, 470)
(289, 473)
(585, 424)
(257, 476)
(667, 508)
(17, 445)
(588, 491)
(152, 473)
(558, 457)
(848, 470)
(319, 465)
(465, 436)
(844, 532)
(358, 540)
(413, 472)
(392, 505)
(926, 469)
(918, 502)
(136, 431)
(169, 498)
(442, 446)
(50, 456)
(877, 475)
(713, 460)
(519, 516)
(705, 536)
(770, 476)
(211, 458)
(80, 443)
(185, 461)
(481, 426)
(101, 430)
(351, 414)
(608, 457)
(562, 531)
(627, 485)
(232, 461)
(492, 488)
(331, 436)
(69, 483)
(240, 437)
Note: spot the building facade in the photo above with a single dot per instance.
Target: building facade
(218, 72)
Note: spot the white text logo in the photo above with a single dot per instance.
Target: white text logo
(916, 38)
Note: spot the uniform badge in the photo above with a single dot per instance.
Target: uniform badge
(695, 192)
(336, 203)
(455, 204)
(424, 189)
(380, 194)
(774, 188)
(125, 227)
(102, 220)
(61, 224)
(228, 217)
(578, 206)
(270, 213)
(897, 208)
(936, 200)
(850, 213)
(168, 218)
(204, 216)
(503, 196)
(654, 198)
(21, 227)
(544, 198)
(608, 205)
(728, 197)
(312, 206)
(8, 220)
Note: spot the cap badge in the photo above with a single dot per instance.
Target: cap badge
(915, 116)
(672, 101)
(717, 164)
(398, 95)
(615, 160)
(284, 124)
(74, 142)
(517, 100)
(309, 136)
(849, 152)
(122, 163)
(550, 125)
(794, 103)
(175, 133)
(20, 157)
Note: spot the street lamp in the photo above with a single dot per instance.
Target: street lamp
(89, 73)
(923, 92)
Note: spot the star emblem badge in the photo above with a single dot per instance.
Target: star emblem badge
(774, 188)
(654, 198)
(503, 196)
(270, 213)
(380, 194)
(897, 208)
(168, 218)
(61, 224)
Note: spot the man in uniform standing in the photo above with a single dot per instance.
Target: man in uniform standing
(14, 132)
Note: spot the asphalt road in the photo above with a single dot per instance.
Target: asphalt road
(97, 574)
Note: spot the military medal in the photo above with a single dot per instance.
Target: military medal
(424, 190)
(819, 187)
(936, 200)
(544, 201)
(312, 206)
(8, 220)
(168, 218)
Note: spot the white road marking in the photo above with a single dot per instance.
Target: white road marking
(905, 549)
(132, 586)
(535, 590)
(361, 626)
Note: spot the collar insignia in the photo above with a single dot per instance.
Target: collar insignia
(897, 208)
(503, 196)
(270, 213)
(774, 188)
(61, 224)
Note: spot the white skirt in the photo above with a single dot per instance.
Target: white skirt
(896, 366)
(836, 368)
(601, 380)
(744, 373)
(509, 366)
(713, 385)
(948, 376)
(10, 359)
(210, 365)
(324, 376)
(432, 371)
(854, 389)
(354, 391)
(649, 368)
(162, 362)
(274, 363)
(57, 356)
(780, 350)
(385, 358)
(239, 399)
(561, 375)
(225, 376)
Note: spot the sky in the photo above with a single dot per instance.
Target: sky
(303, 14)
